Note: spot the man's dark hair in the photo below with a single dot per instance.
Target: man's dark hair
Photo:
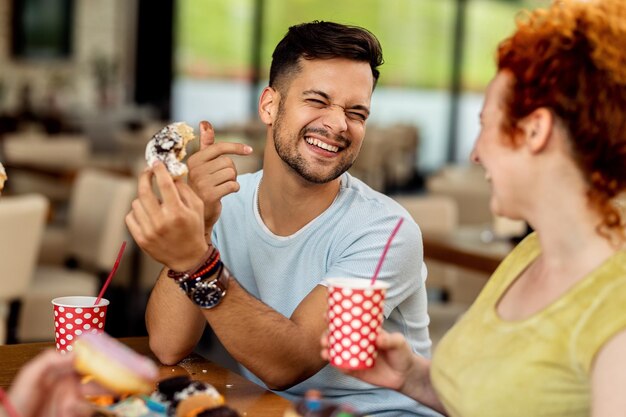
(323, 40)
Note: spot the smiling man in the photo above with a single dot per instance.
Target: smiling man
(251, 252)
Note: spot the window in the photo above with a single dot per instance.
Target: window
(213, 60)
(42, 29)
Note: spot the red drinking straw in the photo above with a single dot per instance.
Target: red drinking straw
(382, 258)
(108, 281)
(4, 400)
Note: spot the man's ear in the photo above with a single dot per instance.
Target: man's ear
(537, 128)
(268, 105)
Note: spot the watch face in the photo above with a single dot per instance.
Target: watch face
(206, 295)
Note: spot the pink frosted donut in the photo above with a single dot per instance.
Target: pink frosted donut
(114, 365)
(168, 145)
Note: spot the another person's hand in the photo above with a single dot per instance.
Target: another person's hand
(394, 364)
(212, 174)
(171, 230)
(48, 386)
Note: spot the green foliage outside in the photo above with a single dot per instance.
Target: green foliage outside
(488, 23)
(213, 37)
(415, 35)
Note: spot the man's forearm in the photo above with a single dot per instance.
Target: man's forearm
(280, 351)
(174, 324)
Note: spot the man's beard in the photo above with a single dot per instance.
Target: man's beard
(286, 150)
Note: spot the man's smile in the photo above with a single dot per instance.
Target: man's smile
(320, 144)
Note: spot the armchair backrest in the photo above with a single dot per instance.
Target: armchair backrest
(22, 221)
(98, 206)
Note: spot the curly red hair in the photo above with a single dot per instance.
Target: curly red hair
(571, 59)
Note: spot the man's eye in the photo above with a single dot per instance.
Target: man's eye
(357, 116)
(315, 102)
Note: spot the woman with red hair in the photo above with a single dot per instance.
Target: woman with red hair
(547, 335)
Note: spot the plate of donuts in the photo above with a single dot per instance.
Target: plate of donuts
(131, 380)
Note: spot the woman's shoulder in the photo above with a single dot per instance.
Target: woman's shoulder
(604, 316)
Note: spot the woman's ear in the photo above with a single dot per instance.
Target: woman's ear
(267, 105)
(537, 128)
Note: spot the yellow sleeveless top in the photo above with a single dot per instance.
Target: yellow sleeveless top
(539, 366)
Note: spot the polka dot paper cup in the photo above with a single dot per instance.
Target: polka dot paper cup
(355, 315)
(76, 315)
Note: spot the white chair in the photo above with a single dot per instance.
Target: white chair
(451, 289)
(99, 203)
(433, 213)
(467, 185)
(402, 141)
(45, 164)
(54, 152)
(369, 166)
(22, 220)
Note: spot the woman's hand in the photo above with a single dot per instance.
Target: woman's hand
(48, 386)
(398, 368)
(393, 364)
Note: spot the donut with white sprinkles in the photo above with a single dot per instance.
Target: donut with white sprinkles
(168, 145)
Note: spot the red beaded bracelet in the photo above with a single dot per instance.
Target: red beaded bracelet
(214, 265)
(209, 258)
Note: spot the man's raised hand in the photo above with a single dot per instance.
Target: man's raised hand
(170, 230)
(212, 174)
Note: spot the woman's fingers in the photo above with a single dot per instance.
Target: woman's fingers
(36, 384)
(389, 340)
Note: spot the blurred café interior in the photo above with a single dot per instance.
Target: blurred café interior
(85, 83)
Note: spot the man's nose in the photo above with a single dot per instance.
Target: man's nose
(335, 118)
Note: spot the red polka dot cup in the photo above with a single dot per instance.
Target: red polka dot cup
(77, 315)
(355, 315)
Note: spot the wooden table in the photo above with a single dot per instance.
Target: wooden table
(465, 248)
(244, 396)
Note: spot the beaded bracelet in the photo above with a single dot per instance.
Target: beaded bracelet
(209, 258)
(210, 268)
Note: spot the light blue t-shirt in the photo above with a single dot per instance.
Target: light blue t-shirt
(346, 240)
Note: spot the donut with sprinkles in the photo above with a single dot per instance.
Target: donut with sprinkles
(168, 145)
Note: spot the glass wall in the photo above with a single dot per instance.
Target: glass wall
(214, 55)
(488, 22)
(212, 47)
(416, 37)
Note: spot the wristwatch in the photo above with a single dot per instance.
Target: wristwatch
(204, 293)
